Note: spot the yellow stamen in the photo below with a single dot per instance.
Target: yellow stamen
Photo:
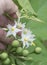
(25, 39)
(12, 28)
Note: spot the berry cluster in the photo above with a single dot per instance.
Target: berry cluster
(14, 52)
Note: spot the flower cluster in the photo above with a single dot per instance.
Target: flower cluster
(19, 47)
(26, 36)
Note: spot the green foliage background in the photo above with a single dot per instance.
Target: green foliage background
(39, 29)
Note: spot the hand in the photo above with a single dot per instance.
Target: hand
(11, 8)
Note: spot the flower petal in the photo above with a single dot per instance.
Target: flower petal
(14, 34)
(8, 33)
(23, 44)
(27, 44)
(9, 26)
(17, 30)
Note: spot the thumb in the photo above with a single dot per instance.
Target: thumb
(11, 7)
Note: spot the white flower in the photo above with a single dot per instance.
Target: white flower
(27, 39)
(26, 31)
(12, 30)
(20, 25)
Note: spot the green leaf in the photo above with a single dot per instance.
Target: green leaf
(37, 4)
(26, 6)
(42, 12)
(40, 29)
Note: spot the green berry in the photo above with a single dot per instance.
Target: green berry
(4, 55)
(7, 61)
(25, 52)
(15, 43)
(38, 50)
(19, 50)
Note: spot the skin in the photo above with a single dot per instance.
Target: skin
(9, 7)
